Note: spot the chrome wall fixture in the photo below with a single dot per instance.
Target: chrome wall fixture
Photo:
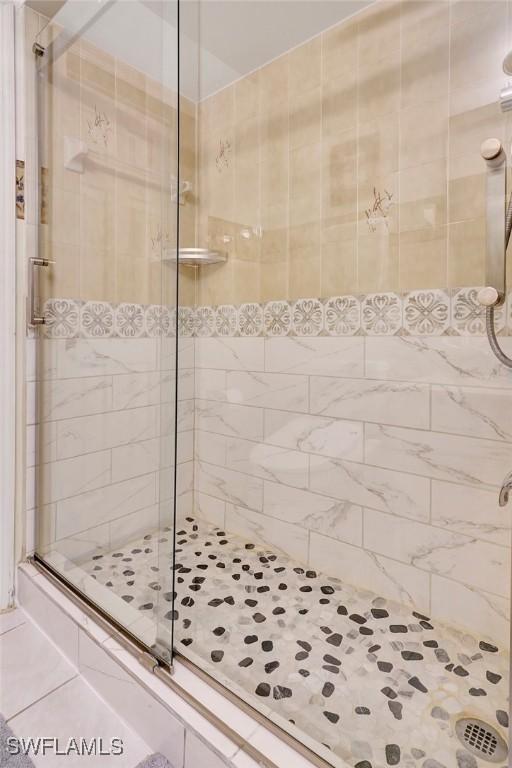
(499, 225)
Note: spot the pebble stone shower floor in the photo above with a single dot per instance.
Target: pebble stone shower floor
(376, 682)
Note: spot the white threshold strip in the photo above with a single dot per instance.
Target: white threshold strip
(184, 701)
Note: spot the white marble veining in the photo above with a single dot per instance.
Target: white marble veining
(113, 501)
(230, 354)
(315, 434)
(92, 357)
(385, 402)
(390, 491)
(437, 455)
(76, 437)
(268, 390)
(457, 361)
(472, 511)
(268, 461)
(314, 512)
(74, 476)
(485, 413)
(392, 579)
(227, 485)
(229, 419)
(281, 535)
(71, 398)
(315, 356)
(439, 551)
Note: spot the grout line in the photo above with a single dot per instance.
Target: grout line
(49, 693)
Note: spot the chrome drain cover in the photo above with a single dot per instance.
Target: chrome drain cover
(481, 739)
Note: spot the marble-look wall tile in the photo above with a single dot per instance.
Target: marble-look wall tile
(135, 390)
(70, 477)
(269, 462)
(210, 509)
(275, 533)
(438, 551)
(132, 525)
(139, 458)
(288, 392)
(210, 384)
(78, 358)
(463, 460)
(210, 447)
(69, 398)
(76, 437)
(385, 402)
(229, 419)
(315, 434)
(337, 519)
(320, 356)
(230, 354)
(474, 412)
(448, 360)
(361, 568)
(388, 491)
(472, 511)
(468, 608)
(111, 502)
(227, 485)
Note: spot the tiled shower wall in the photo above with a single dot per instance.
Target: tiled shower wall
(352, 163)
(369, 444)
(101, 439)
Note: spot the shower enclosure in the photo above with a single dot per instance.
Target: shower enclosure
(270, 433)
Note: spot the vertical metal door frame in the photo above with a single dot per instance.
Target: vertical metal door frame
(7, 304)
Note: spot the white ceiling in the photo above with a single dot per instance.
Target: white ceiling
(221, 40)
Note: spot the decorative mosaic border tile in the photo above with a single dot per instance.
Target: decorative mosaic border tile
(431, 312)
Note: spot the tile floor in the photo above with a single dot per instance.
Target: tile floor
(376, 682)
(43, 695)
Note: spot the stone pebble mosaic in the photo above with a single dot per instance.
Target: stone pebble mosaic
(377, 683)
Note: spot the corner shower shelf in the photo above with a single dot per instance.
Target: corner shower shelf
(195, 257)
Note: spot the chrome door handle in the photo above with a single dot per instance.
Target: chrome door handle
(34, 264)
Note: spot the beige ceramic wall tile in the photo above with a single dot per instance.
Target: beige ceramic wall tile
(423, 203)
(379, 30)
(425, 52)
(339, 268)
(379, 84)
(339, 188)
(63, 278)
(466, 253)
(378, 147)
(423, 133)
(479, 42)
(340, 50)
(97, 274)
(304, 66)
(304, 278)
(423, 258)
(475, 115)
(466, 187)
(377, 261)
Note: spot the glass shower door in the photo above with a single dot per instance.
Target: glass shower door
(106, 287)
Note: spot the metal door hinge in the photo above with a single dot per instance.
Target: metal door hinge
(38, 50)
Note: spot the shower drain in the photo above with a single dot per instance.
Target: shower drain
(481, 739)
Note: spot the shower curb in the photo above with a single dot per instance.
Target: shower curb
(195, 719)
